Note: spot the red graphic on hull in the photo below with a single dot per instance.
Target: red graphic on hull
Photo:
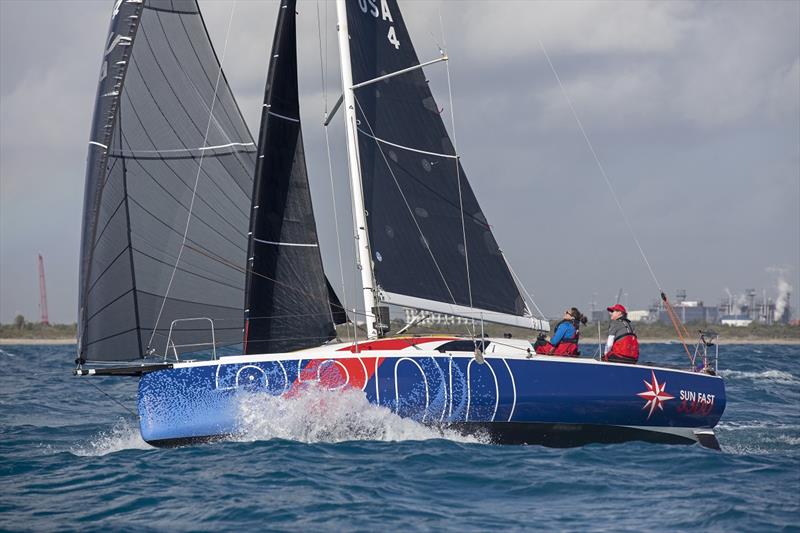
(655, 395)
(339, 372)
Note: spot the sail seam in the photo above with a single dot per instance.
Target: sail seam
(138, 117)
(111, 303)
(186, 74)
(154, 248)
(110, 264)
(178, 176)
(410, 149)
(197, 180)
(191, 82)
(110, 336)
(188, 271)
(176, 231)
(107, 224)
(174, 299)
(177, 201)
(178, 99)
(222, 73)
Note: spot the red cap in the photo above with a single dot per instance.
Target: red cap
(618, 307)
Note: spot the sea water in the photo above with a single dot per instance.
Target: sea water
(71, 458)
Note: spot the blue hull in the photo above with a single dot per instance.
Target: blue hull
(543, 400)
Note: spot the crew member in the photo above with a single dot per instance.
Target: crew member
(622, 345)
(565, 336)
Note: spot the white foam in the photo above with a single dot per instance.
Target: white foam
(124, 435)
(319, 415)
(755, 424)
(7, 354)
(777, 376)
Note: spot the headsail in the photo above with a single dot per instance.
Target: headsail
(431, 244)
(287, 293)
(168, 140)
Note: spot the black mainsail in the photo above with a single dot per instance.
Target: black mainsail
(432, 247)
(167, 199)
(287, 294)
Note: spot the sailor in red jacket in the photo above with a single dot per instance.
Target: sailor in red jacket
(622, 345)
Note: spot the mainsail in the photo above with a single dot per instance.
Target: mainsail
(167, 200)
(432, 247)
(287, 293)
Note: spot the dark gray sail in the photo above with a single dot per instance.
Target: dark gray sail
(414, 185)
(168, 145)
(287, 294)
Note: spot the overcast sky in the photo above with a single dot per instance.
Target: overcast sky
(693, 109)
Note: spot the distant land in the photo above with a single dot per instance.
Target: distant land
(36, 333)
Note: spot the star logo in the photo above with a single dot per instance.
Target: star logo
(655, 395)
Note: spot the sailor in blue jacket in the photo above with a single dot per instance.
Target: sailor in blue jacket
(565, 337)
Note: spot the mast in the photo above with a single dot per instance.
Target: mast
(354, 164)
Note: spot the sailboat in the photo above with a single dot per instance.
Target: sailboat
(201, 272)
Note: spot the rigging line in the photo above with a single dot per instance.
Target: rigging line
(177, 136)
(205, 74)
(458, 168)
(600, 166)
(168, 82)
(197, 91)
(356, 276)
(405, 201)
(197, 177)
(222, 260)
(323, 69)
(208, 204)
(519, 281)
(336, 223)
(112, 399)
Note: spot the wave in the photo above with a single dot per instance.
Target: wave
(318, 415)
(776, 376)
(755, 424)
(7, 354)
(124, 435)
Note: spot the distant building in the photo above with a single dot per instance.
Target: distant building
(639, 315)
(738, 321)
(686, 311)
(738, 307)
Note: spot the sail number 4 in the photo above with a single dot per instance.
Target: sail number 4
(371, 7)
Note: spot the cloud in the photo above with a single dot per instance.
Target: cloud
(692, 107)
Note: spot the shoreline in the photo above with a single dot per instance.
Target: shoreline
(585, 342)
(27, 342)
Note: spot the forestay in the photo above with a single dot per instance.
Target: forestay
(167, 139)
(432, 247)
(287, 295)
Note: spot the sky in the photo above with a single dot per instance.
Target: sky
(692, 109)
